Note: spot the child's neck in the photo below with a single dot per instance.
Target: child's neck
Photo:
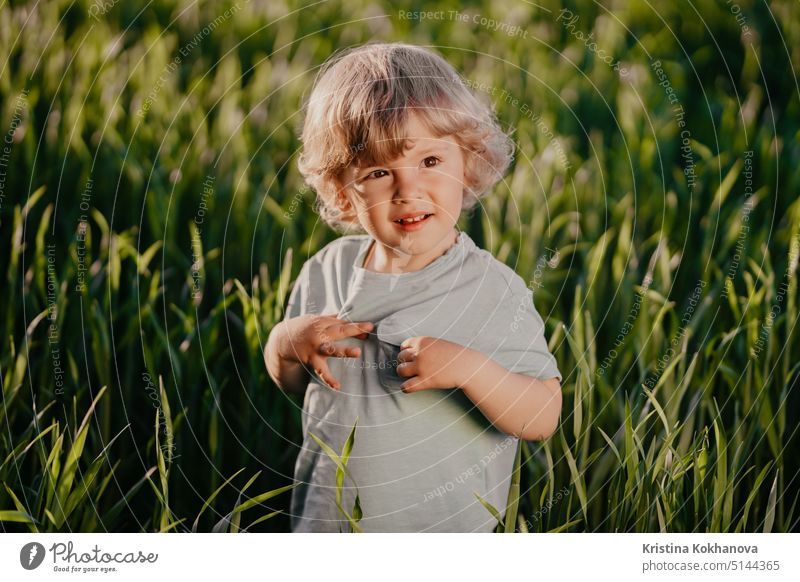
(383, 259)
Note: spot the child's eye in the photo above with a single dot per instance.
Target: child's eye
(376, 174)
(433, 159)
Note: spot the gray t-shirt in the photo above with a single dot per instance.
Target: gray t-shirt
(418, 458)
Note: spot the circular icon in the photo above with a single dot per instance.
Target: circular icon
(31, 555)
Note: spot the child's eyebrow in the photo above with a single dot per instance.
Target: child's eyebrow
(426, 148)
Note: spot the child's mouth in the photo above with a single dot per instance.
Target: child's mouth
(412, 222)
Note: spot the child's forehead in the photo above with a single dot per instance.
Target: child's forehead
(413, 136)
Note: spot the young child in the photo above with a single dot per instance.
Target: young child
(428, 341)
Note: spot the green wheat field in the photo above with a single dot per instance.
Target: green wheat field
(152, 221)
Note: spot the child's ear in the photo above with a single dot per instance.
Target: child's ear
(340, 196)
(342, 201)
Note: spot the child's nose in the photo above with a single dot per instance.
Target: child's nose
(407, 184)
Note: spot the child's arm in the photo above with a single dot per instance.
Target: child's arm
(513, 401)
(517, 404)
(288, 375)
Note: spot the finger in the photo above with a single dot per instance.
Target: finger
(324, 374)
(406, 355)
(413, 385)
(408, 343)
(343, 330)
(332, 350)
(407, 369)
(350, 352)
(359, 329)
(327, 348)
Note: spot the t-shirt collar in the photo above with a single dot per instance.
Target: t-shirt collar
(454, 253)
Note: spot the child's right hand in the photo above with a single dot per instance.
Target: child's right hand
(309, 340)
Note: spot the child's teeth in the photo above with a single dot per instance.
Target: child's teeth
(417, 219)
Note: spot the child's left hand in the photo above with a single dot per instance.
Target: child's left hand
(433, 363)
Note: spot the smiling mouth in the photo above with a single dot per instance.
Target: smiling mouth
(413, 220)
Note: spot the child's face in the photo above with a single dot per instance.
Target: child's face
(426, 181)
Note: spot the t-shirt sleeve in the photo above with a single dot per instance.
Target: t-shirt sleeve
(298, 298)
(523, 345)
(314, 290)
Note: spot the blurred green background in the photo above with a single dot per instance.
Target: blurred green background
(148, 154)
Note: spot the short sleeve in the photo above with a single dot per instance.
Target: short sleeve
(523, 345)
(298, 298)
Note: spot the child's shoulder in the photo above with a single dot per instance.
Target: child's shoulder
(495, 270)
(340, 251)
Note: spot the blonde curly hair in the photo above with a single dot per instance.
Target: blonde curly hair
(357, 111)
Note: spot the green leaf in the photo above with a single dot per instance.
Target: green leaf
(263, 518)
(262, 497)
(71, 464)
(611, 444)
(212, 497)
(512, 507)
(341, 471)
(576, 476)
(82, 490)
(143, 260)
(651, 397)
(565, 526)
(21, 509)
(491, 509)
(16, 516)
(631, 457)
(769, 519)
(750, 498)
